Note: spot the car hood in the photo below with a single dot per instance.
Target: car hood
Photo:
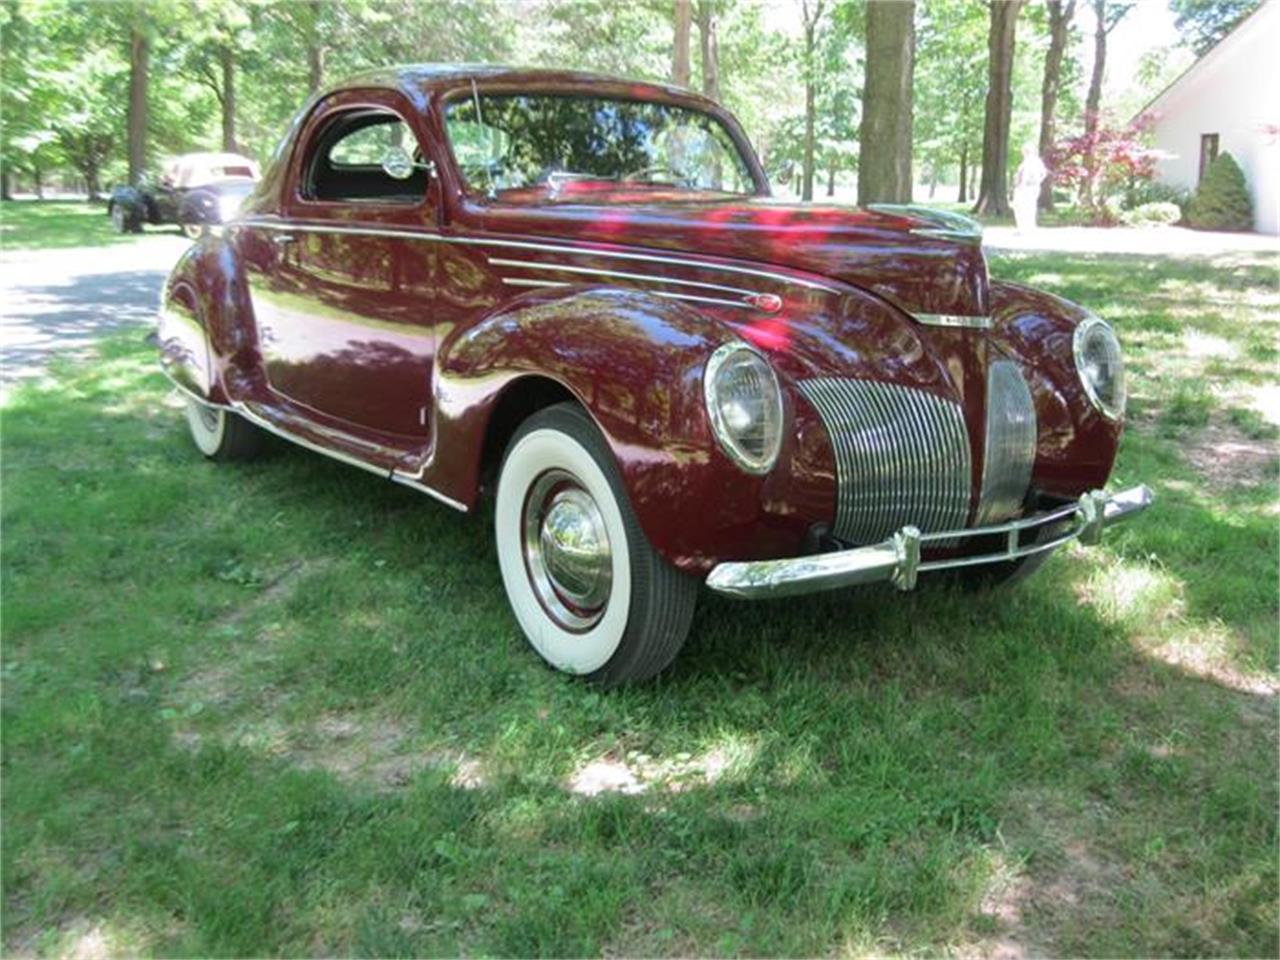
(921, 260)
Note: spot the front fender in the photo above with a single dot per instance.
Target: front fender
(635, 363)
(1076, 444)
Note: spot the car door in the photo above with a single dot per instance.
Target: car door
(342, 285)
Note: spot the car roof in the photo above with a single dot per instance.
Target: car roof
(415, 79)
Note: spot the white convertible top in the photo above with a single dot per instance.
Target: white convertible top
(198, 169)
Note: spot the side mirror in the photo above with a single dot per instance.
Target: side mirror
(397, 164)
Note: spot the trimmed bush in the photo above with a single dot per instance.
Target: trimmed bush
(1157, 214)
(1222, 199)
(1143, 192)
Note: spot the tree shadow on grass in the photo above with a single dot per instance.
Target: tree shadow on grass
(902, 772)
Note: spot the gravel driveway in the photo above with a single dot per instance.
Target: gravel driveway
(57, 302)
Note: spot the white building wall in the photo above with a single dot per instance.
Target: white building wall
(1233, 92)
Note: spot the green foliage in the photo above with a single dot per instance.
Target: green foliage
(1140, 192)
(1222, 200)
(1202, 23)
(1157, 213)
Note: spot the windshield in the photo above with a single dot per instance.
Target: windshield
(548, 147)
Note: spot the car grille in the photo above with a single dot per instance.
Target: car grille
(1010, 449)
(902, 457)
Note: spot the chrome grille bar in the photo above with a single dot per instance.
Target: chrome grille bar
(1009, 450)
(902, 457)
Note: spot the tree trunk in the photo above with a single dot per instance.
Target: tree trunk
(37, 174)
(964, 175)
(710, 49)
(6, 188)
(228, 57)
(315, 66)
(884, 137)
(993, 190)
(1061, 13)
(139, 57)
(831, 179)
(810, 140)
(92, 187)
(680, 47)
(1093, 102)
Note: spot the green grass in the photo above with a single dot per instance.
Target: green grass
(282, 708)
(58, 224)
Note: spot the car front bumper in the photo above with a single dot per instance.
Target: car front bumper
(897, 559)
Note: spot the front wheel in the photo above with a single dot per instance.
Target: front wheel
(123, 219)
(222, 435)
(589, 592)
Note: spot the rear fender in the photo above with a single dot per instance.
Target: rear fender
(205, 331)
(635, 363)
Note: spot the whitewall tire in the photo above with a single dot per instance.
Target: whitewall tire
(221, 435)
(589, 592)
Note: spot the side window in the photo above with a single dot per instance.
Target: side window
(349, 158)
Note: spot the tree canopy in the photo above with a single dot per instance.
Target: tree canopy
(223, 74)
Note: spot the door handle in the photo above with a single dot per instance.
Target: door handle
(282, 239)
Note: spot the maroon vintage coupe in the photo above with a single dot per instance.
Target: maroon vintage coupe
(576, 292)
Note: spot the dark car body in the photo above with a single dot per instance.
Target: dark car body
(194, 191)
(412, 339)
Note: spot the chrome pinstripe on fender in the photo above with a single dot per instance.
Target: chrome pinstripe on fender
(278, 224)
(902, 457)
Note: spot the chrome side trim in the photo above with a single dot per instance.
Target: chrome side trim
(953, 320)
(621, 274)
(267, 425)
(897, 558)
(267, 224)
(902, 457)
(525, 282)
(1009, 448)
(409, 481)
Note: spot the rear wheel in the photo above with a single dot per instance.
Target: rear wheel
(222, 435)
(589, 592)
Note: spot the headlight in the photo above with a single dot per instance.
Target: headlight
(1100, 366)
(745, 406)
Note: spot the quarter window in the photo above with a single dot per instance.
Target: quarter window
(347, 160)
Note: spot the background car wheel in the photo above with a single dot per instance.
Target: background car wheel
(123, 219)
(221, 435)
(590, 593)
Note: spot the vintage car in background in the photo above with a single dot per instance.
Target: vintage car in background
(576, 293)
(195, 190)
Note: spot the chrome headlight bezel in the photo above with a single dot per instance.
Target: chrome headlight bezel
(1090, 327)
(726, 436)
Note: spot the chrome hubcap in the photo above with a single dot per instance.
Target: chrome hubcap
(567, 551)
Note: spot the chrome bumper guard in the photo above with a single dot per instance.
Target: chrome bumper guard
(898, 558)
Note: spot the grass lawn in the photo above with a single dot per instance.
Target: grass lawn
(57, 224)
(283, 708)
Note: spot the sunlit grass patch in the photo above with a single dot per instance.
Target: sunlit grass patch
(282, 709)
